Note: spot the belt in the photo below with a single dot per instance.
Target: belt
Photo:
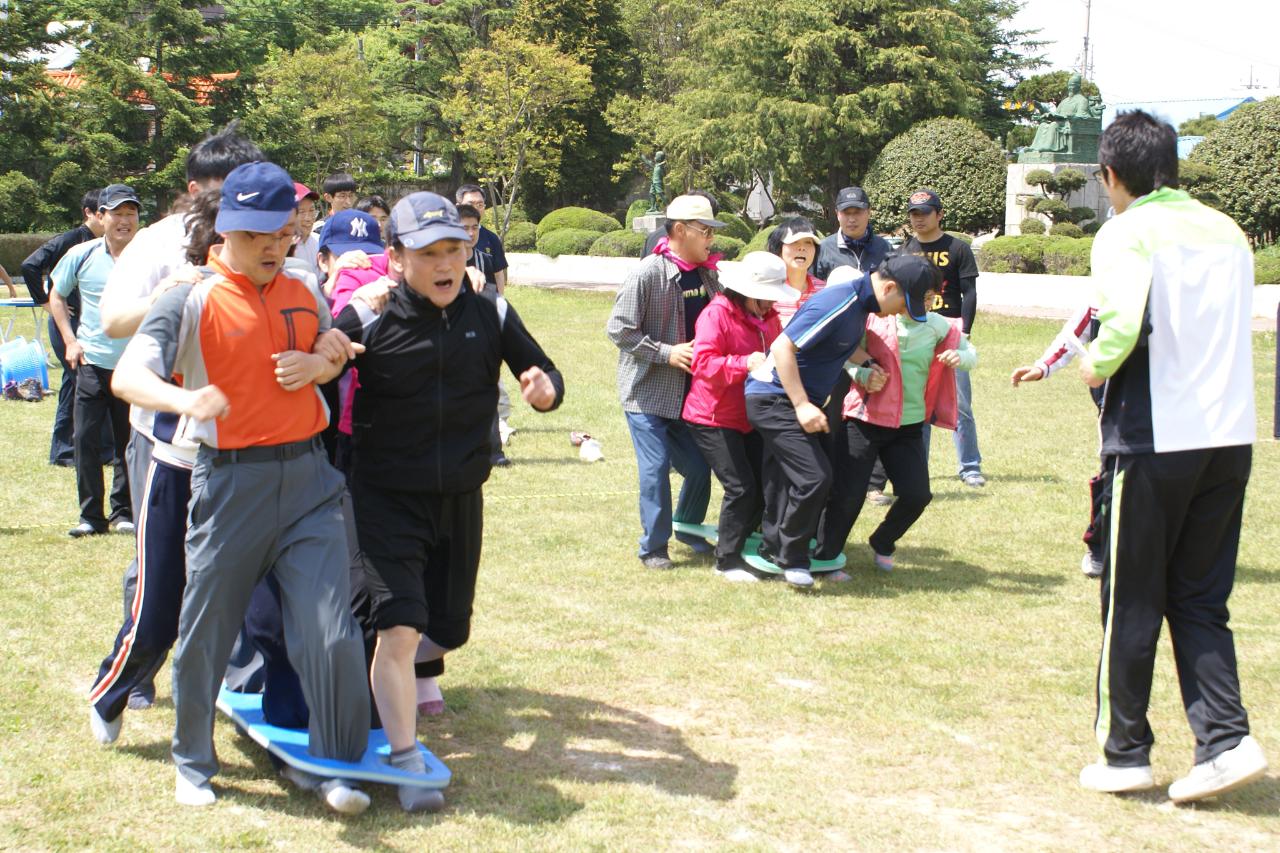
(262, 453)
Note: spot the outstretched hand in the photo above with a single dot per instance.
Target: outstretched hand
(1028, 373)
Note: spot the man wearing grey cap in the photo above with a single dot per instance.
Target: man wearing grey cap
(94, 355)
(652, 325)
(420, 428)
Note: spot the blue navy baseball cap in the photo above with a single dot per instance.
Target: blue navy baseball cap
(349, 230)
(421, 219)
(915, 276)
(256, 197)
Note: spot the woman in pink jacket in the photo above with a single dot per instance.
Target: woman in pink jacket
(731, 338)
(908, 381)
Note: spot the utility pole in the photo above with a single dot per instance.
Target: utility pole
(1086, 61)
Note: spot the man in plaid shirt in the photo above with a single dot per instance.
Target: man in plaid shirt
(652, 325)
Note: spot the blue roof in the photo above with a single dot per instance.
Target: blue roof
(1177, 111)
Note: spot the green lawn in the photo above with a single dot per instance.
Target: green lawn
(603, 706)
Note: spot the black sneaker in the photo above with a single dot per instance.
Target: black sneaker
(657, 560)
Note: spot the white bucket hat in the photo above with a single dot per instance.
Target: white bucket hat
(760, 275)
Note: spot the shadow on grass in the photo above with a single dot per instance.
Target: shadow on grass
(1259, 799)
(934, 570)
(1256, 574)
(510, 750)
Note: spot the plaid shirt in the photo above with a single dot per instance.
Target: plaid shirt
(647, 320)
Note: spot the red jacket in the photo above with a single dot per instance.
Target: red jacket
(724, 336)
(884, 408)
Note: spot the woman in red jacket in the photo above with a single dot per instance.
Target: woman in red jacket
(732, 337)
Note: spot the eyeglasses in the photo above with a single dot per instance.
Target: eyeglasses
(1101, 175)
(703, 232)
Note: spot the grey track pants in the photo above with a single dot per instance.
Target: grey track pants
(246, 518)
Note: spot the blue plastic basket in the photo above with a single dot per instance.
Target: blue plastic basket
(20, 359)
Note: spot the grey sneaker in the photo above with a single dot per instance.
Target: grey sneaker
(1089, 568)
(876, 497)
(974, 480)
(657, 560)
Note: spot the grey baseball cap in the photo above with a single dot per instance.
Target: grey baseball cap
(423, 218)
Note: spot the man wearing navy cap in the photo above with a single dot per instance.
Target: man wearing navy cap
(263, 496)
(93, 354)
(959, 298)
(420, 427)
(786, 396)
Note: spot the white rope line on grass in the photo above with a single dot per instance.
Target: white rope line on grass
(562, 495)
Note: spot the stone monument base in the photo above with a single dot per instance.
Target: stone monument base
(1018, 194)
(647, 222)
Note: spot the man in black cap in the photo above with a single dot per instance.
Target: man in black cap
(959, 298)
(35, 270)
(84, 269)
(853, 245)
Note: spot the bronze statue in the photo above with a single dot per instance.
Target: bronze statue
(1068, 132)
(657, 193)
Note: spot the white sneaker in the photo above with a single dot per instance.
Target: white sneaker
(339, 795)
(1230, 770)
(104, 731)
(505, 431)
(1089, 568)
(1110, 779)
(188, 793)
(799, 578)
(739, 576)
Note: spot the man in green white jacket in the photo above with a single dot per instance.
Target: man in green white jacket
(1174, 283)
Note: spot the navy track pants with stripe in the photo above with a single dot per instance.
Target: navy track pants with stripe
(151, 626)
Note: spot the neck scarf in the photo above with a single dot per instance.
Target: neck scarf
(663, 248)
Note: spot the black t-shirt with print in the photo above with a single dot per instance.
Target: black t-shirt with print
(955, 261)
(696, 298)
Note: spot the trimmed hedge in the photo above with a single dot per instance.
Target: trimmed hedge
(521, 237)
(951, 156)
(1031, 225)
(1266, 265)
(964, 238)
(1066, 229)
(1033, 253)
(1067, 256)
(577, 219)
(1012, 254)
(618, 244)
(736, 227)
(637, 208)
(567, 241)
(14, 249)
(730, 247)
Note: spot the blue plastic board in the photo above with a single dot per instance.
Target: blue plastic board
(709, 532)
(290, 746)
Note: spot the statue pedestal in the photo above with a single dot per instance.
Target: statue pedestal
(647, 222)
(1018, 193)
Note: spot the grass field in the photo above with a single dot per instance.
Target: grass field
(602, 706)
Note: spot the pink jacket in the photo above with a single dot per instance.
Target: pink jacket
(349, 281)
(884, 408)
(724, 337)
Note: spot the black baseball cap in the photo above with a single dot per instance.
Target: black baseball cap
(916, 276)
(115, 195)
(924, 199)
(852, 197)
